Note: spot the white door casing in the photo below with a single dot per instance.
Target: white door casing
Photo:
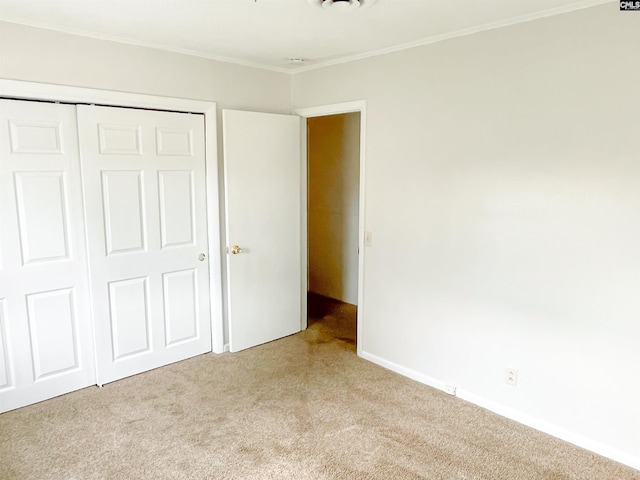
(46, 346)
(144, 182)
(262, 191)
(336, 109)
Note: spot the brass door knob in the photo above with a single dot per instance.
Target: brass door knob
(235, 250)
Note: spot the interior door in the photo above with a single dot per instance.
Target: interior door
(262, 186)
(46, 346)
(144, 183)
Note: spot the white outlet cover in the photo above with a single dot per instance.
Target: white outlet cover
(511, 376)
(450, 389)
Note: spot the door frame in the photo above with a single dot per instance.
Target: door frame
(21, 90)
(323, 111)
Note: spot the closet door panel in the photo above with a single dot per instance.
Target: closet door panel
(42, 216)
(52, 328)
(46, 342)
(144, 182)
(123, 207)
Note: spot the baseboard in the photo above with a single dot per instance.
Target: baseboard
(628, 459)
(225, 349)
(553, 430)
(406, 372)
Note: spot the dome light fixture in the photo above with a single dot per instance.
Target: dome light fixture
(341, 4)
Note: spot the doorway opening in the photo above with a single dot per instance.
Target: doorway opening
(333, 223)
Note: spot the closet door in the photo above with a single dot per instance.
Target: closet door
(46, 346)
(144, 183)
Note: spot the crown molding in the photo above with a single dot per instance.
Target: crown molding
(458, 33)
(137, 43)
(320, 64)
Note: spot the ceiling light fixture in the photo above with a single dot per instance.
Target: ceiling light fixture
(341, 4)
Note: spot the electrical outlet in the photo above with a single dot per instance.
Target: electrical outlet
(450, 389)
(367, 239)
(511, 376)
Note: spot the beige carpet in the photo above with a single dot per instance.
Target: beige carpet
(304, 407)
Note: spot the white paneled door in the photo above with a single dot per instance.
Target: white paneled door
(144, 183)
(262, 186)
(46, 346)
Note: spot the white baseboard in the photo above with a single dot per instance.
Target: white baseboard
(406, 372)
(628, 459)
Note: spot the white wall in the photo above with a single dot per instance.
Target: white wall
(334, 173)
(38, 55)
(503, 194)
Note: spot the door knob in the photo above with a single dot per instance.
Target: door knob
(201, 257)
(235, 250)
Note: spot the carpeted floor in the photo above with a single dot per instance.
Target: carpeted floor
(304, 407)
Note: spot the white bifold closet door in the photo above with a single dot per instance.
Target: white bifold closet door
(144, 185)
(46, 343)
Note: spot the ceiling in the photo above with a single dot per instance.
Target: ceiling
(267, 33)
